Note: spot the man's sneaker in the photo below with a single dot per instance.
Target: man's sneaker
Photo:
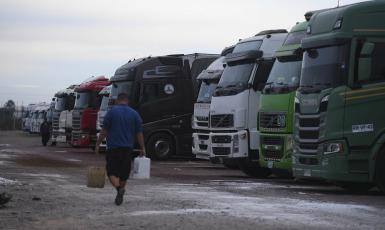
(119, 196)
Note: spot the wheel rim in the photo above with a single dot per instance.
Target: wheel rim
(162, 147)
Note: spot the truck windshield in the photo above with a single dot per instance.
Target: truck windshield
(323, 68)
(246, 46)
(206, 91)
(34, 115)
(83, 100)
(235, 78)
(104, 105)
(120, 87)
(25, 114)
(60, 103)
(284, 77)
(41, 115)
(294, 37)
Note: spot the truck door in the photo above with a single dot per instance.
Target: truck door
(149, 106)
(172, 101)
(365, 105)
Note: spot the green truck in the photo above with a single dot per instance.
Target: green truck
(339, 132)
(276, 108)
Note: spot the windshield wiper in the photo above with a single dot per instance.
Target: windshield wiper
(228, 86)
(325, 84)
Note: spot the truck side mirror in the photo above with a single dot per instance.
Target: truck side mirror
(365, 62)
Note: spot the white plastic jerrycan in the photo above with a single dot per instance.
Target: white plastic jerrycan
(142, 168)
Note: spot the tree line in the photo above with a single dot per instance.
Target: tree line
(8, 118)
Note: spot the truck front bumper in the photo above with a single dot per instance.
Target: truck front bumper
(227, 146)
(201, 145)
(342, 166)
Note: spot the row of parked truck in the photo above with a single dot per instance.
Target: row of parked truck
(306, 103)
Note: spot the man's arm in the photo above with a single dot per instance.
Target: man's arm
(140, 138)
(102, 135)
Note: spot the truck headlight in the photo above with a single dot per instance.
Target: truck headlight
(289, 142)
(235, 143)
(84, 136)
(333, 147)
(296, 100)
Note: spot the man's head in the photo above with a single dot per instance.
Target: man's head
(122, 99)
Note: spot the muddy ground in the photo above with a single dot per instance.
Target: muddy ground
(49, 191)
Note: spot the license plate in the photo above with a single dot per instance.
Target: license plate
(270, 164)
(307, 172)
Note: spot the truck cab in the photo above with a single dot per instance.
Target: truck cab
(62, 115)
(340, 103)
(276, 108)
(234, 108)
(162, 90)
(207, 82)
(85, 111)
(103, 98)
(26, 118)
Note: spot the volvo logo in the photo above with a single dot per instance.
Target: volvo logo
(281, 120)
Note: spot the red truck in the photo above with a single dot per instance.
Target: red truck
(85, 113)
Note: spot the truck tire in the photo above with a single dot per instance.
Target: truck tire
(255, 171)
(160, 146)
(379, 176)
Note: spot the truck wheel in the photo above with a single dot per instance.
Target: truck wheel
(255, 171)
(379, 176)
(160, 146)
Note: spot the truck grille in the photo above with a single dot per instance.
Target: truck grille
(222, 121)
(313, 122)
(308, 134)
(55, 124)
(202, 121)
(221, 150)
(203, 147)
(275, 120)
(221, 139)
(76, 126)
(271, 153)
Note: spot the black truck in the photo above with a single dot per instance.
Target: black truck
(163, 90)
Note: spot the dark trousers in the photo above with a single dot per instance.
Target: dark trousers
(118, 163)
(44, 138)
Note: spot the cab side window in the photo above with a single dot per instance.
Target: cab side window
(378, 62)
(150, 92)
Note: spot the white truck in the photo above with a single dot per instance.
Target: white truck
(208, 80)
(234, 138)
(26, 118)
(35, 121)
(44, 112)
(104, 98)
(62, 116)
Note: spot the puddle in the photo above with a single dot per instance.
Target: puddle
(44, 162)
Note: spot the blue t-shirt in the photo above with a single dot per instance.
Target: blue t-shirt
(121, 123)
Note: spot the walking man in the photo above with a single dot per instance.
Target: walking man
(121, 125)
(44, 131)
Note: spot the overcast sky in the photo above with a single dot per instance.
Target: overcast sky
(47, 45)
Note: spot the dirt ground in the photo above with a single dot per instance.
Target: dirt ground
(48, 185)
